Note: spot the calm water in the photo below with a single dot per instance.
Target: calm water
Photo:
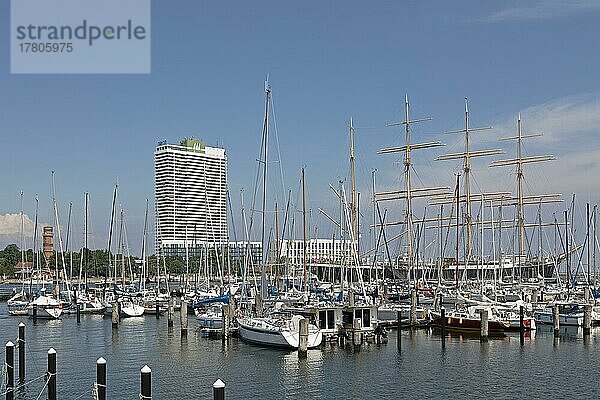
(500, 368)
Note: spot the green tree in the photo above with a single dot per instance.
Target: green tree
(12, 254)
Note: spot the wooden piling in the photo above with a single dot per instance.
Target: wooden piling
(219, 390)
(34, 313)
(101, 378)
(443, 322)
(10, 370)
(484, 325)
(587, 319)
(521, 315)
(146, 383)
(170, 312)
(303, 338)
(258, 302)
(399, 326)
(78, 311)
(51, 374)
(225, 319)
(443, 326)
(357, 333)
(413, 308)
(157, 308)
(115, 314)
(184, 318)
(521, 325)
(21, 345)
(556, 320)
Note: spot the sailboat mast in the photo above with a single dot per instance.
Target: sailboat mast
(62, 254)
(67, 246)
(86, 230)
(353, 215)
(467, 170)
(33, 260)
(122, 236)
(587, 212)
(520, 188)
(83, 259)
(187, 257)
(305, 272)
(144, 240)
(110, 232)
(567, 248)
(375, 241)
(263, 278)
(594, 243)
(22, 240)
(276, 247)
(409, 228)
(457, 225)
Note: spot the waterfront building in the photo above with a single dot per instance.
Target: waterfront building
(242, 252)
(319, 251)
(190, 183)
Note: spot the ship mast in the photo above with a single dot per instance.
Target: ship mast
(407, 194)
(521, 199)
(352, 181)
(263, 278)
(466, 156)
(304, 243)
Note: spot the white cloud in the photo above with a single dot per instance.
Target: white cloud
(561, 121)
(571, 128)
(10, 225)
(542, 9)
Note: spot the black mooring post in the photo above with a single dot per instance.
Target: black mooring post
(101, 378)
(21, 345)
(399, 326)
(51, 374)
(10, 370)
(219, 390)
(146, 383)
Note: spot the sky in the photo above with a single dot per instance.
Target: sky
(327, 62)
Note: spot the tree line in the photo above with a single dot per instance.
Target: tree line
(94, 263)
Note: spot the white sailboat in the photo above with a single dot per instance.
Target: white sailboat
(130, 308)
(45, 307)
(273, 332)
(212, 318)
(17, 304)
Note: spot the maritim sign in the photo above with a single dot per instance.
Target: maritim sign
(80, 36)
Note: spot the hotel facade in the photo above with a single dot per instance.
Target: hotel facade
(190, 191)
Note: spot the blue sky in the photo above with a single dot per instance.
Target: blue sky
(327, 62)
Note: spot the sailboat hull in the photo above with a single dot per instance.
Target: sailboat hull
(260, 331)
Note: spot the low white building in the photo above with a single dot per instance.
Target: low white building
(318, 251)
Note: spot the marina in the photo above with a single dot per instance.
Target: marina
(449, 286)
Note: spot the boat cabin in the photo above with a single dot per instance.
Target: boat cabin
(330, 319)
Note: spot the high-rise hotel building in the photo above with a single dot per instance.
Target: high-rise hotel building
(190, 191)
